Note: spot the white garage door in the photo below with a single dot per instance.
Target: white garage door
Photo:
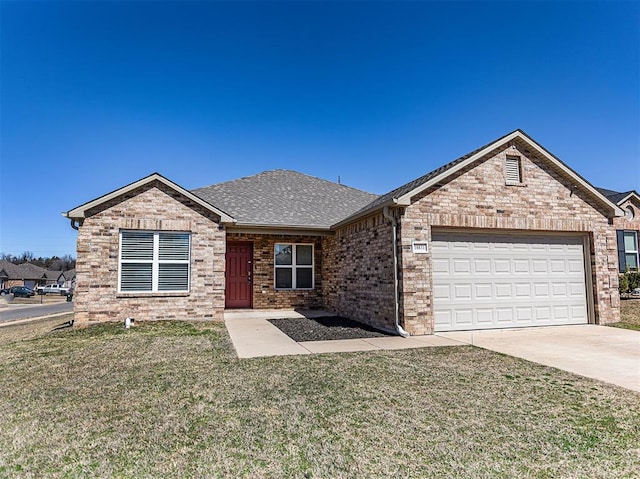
(484, 281)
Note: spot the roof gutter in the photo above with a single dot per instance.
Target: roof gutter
(394, 227)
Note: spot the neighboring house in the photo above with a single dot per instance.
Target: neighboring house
(10, 275)
(27, 274)
(68, 279)
(627, 227)
(505, 236)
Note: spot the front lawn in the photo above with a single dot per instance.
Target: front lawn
(629, 314)
(172, 400)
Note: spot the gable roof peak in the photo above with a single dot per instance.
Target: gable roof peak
(80, 211)
(403, 195)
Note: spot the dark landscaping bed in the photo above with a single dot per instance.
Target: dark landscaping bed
(326, 328)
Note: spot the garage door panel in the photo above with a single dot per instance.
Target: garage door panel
(576, 290)
(522, 290)
(541, 290)
(484, 316)
(504, 315)
(524, 314)
(503, 291)
(463, 317)
(521, 266)
(559, 290)
(557, 266)
(461, 266)
(484, 280)
(483, 291)
(442, 292)
(502, 266)
(462, 292)
(481, 266)
(440, 265)
(539, 266)
(575, 266)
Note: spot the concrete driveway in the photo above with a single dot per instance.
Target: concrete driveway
(609, 354)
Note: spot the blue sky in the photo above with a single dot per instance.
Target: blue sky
(95, 95)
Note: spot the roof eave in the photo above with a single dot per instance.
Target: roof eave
(238, 224)
(255, 228)
(629, 196)
(370, 211)
(406, 198)
(80, 212)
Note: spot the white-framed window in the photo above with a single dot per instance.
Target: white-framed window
(154, 261)
(293, 263)
(628, 250)
(513, 170)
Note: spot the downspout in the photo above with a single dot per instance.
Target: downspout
(394, 227)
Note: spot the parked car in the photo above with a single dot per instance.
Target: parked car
(52, 289)
(19, 291)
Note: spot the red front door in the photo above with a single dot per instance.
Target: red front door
(238, 275)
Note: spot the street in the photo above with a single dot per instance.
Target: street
(20, 311)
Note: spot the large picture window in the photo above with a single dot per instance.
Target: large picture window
(154, 261)
(293, 266)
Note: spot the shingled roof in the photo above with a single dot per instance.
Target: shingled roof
(285, 198)
(616, 196)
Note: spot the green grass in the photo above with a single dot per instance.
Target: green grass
(172, 400)
(629, 315)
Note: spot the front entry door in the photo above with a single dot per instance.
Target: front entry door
(238, 275)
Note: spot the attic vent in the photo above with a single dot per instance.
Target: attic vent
(514, 173)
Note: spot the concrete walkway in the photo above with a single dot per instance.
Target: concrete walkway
(253, 336)
(608, 354)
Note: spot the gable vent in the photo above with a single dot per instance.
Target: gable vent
(513, 170)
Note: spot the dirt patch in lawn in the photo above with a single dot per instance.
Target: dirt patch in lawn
(325, 329)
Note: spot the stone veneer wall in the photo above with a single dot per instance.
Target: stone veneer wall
(358, 272)
(265, 296)
(153, 207)
(479, 198)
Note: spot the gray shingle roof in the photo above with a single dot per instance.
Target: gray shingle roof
(25, 271)
(615, 196)
(285, 198)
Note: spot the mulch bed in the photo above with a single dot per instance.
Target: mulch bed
(326, 328)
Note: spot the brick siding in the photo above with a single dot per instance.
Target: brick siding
(358, 272)
(265, 296)
(153, 207)
(478, 197)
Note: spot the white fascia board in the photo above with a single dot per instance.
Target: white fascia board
(406, 198)
(279, 230)
(79, 212)
(632, 194)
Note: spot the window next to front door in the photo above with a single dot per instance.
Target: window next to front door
(628, 250)
(293, 266)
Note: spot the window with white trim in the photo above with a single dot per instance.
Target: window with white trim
(513, 170)
(293, 264)
(154, 262)
(630, 239)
